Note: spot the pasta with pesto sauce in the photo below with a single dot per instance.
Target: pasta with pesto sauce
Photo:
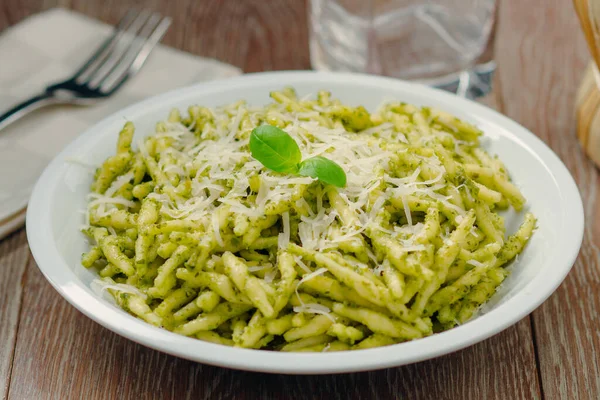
(189, 233)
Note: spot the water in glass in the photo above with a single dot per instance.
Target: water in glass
(426, 40)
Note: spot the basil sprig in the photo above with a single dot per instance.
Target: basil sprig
(278, 151)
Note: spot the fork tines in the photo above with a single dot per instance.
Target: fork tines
(123, 54)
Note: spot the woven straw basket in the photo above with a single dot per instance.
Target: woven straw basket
(587, 103)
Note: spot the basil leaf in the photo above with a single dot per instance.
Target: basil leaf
(275, 149)
(323, 169)
(278, 151)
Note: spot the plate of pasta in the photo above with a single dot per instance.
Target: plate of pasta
(303, 222)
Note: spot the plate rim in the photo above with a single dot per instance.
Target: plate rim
(38, 226)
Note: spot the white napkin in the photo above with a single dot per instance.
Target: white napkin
(45, 48)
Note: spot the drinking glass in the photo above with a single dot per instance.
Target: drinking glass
(443, 43)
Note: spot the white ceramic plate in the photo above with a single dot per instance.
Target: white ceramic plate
(53, 221)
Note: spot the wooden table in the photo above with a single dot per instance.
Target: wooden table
(50, 350)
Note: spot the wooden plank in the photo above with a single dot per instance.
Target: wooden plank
(253, 35)
(14, 253)
(13, 11)
(548, 55)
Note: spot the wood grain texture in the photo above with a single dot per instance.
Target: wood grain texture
(253, 35)
(61, 354)
(548, 61)
(14, 254)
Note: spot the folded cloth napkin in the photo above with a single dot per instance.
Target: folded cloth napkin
(45, 48)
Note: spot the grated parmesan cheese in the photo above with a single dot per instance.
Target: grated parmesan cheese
(217, 229)
(476, 263)
(270, 275)
(284, 237)
(100, 286)
(301, 264)
(314, 308)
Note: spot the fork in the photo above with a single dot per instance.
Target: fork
(119, 58)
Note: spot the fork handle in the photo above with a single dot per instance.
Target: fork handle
(24, 108)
